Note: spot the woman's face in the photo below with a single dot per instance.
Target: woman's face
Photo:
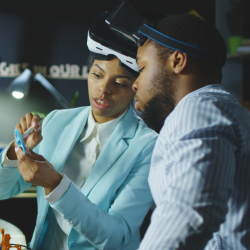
(110, 89)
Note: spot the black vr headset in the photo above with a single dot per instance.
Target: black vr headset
(128, 23)
(104, 41)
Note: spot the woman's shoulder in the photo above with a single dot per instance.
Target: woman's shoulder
(136, 124)
(66, 113)
(65, 116)
(143, 133)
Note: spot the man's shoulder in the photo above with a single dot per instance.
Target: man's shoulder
(207, 108)
(211, 98)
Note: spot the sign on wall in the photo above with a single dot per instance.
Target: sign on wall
(60, 71)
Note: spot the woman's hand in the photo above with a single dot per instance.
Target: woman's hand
(35, 169)
(27, 121)
(30, 121)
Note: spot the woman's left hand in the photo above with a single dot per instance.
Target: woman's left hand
(35, 169)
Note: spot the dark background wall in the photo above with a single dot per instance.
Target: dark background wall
(232, 18)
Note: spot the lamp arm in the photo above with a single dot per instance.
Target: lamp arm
(58, 96)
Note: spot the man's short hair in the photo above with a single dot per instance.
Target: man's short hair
(197, 31)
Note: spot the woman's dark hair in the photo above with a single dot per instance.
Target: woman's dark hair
(94, 56)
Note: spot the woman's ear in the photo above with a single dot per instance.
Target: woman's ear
(178, 61)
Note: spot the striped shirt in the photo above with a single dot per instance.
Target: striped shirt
(200, 175)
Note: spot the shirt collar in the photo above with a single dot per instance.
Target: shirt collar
(101, 130)
(90, 127)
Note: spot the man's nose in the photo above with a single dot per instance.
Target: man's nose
(135, 86)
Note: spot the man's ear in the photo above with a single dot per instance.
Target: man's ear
(178, 61)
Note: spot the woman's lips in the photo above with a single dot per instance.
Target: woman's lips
(100, 103)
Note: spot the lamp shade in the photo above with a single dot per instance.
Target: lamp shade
(19, 87)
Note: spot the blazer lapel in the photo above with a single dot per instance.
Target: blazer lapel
(114, 148)
(70, 134)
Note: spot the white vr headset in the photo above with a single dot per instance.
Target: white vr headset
(98, 48)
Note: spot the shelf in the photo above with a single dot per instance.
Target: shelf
(238, 56)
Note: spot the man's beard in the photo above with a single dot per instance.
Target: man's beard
(162, 104)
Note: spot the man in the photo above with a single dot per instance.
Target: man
(200, 172)
(199, 176)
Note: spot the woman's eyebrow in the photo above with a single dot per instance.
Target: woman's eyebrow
(99, 67)
(123, 76)
(118, 76)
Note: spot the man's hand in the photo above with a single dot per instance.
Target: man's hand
(37, 170)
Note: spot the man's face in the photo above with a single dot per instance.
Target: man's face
(153, 87)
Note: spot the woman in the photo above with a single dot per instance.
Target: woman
(90, 164)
